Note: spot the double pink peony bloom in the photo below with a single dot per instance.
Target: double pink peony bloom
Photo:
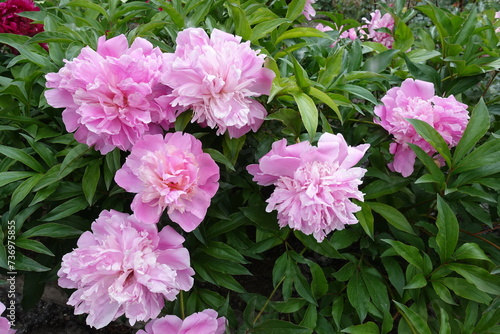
(218, 77)
(4, 322)
(124, 267)
(170, 173)
(12, 23)
(205, 322)
(415, 99)
(314, 185)
(379, 21)
(113, 96)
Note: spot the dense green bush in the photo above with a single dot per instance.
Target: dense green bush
(424, 256)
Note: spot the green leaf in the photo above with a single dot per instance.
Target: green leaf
(444, 327)
(308, 112)
(358, 91)
(392, 215)
(379, 62)
(358, 295)
(448, 230)
(365, 218)
(301, 33)
(417, 282)
(409, 253)
(443, 292)
(91, 179)
(301, 76)
(476, 128)
(323, 97)
(263, 29)
(324, 248)
(52, 230)
(27, 264)
(413, 319)
(274, 326)
(33, 245)
(437, 175)
(24, 189)
(465, 289)
(219, 157)
(481, 278)
(74, 154)
(376, 289)
(310, 318)
(90, 5)
(222, 251)
(433, 138)
(22, 157)
(470, 251)
(295, 9)
(319, 284)
(66, 209)
(242, 26)
(367, 328)
(11, 176)
(289, 306)
(403, 36)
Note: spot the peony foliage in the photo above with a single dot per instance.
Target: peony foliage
(253, 167)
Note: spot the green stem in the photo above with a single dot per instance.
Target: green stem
(181, 300)
(268, 300)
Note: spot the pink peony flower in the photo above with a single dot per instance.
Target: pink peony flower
(309, 11)
(113, 96)
(125, 267)
(377, 22)
(205, 322)
(4, 322)
(12, 23)
(415, 99)
(218, 77)
(170, 173)
(314, 185)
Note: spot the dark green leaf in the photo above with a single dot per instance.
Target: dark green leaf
(470, 251)
(448, 230)
(22, 157)
(66, 209)
(413, 319)
(409, 253)
(358, 295)
(433, 138)
(273, 326)
(392, 215)
(367, 328)
(481, 278)
(33, 245)
(52, 230)
(219, 157)
(91, 179)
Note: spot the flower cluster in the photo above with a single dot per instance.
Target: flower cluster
(205, 322)
(4, 322)
(314, 185)
(113, 96)
(171, 172)
(12, 23)
(415, 99)
(125, 267)
(218, 77)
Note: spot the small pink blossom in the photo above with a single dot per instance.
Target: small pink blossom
(205, 322)
(323, 28)
(218, 77)
(415, 99)
(170, 173)
(124, 267)
(497, 16)
(4, 322)
(314, 185)
(113, 96)
(377, 22)
(309, 11)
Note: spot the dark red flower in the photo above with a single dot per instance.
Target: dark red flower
(12, 23)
